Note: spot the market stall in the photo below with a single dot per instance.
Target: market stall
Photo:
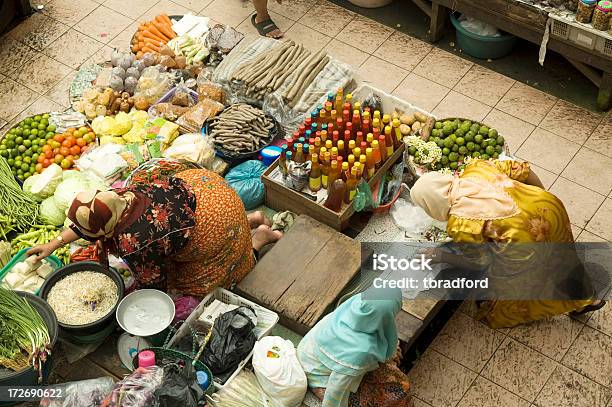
(582, 39)
(286, 127)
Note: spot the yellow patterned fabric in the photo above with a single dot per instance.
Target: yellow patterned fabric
(542, 218)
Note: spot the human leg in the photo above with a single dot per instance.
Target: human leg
(262, 21)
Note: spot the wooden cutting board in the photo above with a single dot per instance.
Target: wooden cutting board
(302, 276)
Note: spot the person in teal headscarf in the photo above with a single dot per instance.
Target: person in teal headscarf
(348, 343)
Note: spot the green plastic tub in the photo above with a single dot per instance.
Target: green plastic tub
(480, 46)
(21, 256)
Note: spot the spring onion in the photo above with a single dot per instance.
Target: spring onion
(24, 337)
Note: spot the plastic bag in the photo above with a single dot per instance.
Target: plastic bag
(192, 147)
(412, 218)
(207, 89)
(363, 200)
(194, 118)
(153, 84)
(245, 179)
(279, 371)
(478, 27)
(231, 341)
(137, 389)
(178, 388)
(84, 393)
(184, 307)
(244, 390)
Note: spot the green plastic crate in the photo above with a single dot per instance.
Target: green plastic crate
(21, 256)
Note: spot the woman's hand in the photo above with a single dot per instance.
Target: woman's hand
(41, 251)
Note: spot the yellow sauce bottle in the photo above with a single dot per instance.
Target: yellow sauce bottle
(351, 186)
(325, 169)
(370, 163)
(314, 178)
(357, 152)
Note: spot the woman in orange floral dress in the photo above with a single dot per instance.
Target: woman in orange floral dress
(500, 211)
(186, 231)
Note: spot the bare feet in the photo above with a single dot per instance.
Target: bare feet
(257, 218)
(264, 235)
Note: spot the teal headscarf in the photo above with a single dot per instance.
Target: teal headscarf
(359, 334)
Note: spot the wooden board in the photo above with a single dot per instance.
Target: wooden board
(302, 276)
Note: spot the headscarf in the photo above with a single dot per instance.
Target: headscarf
(96, 214)
(359, 334)
(442, 195)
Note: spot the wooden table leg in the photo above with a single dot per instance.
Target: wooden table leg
(439, 15)
(605, 91)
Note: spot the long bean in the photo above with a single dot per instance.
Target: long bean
(20, 209)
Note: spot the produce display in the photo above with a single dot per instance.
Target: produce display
(64, 149)
(18, 209)
(83, 297)
(126, 72)
(452, 142)
(37, 235)
(241, 128)
(24, 337)
(27, 275)
(267, 72)
(22, 145)
(152, 35)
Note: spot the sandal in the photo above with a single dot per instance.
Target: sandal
(589, 308)
(265, 27)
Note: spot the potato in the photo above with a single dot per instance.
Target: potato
(405, 129)
(416, 126)
(407, 119)
(420, 117)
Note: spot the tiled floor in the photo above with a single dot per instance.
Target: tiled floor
(563, 362)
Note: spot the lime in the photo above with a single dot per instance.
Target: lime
(439, 142)
(470, 146)
(28, 152)
(469, 136)
(42, 126)
(495, 155)
(27, 160)
(38, 118)
(446, 151)
(26, 133)
(27, 175)
(484, 157)
(35, 142)
(484, 130)
(22, 148)
(25, 167)
(447, 129)
(35, 157)
(466, 123)
(435, 133)
(45, 116)
(453, 165)
(489, 150)
(453, 156)
(28, 120)
(460, 141)
(49, 136)
(453, 137)
(484, 144)
(20, 177)
(500, 140)
(460, 132)
(51, 127)
(412, 150)
(2, 146)
(447, 123)
(444, 160)
(475, 127)
(19, 140)
(34, 132)
(10, 162)
(463, 150)
(475, 154)
(455, 147)
(438, 125)
(3, 153)
(448, 143)
(498, 149)
(27, 143)
(492, 142)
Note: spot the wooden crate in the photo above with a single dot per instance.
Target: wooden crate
(281, 198)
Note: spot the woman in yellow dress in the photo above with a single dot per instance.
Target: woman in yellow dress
(502, 208)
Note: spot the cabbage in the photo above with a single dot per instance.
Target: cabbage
(50, 213)
(43, 185)
(68, 174)
(68, 190)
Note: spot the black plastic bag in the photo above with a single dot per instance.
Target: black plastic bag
(179, 387)
(231, 341)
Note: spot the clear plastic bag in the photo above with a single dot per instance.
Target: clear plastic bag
(207, 89)
(194, 119)
(137, 389)
(192, 147)
(84, 393)
(153, 84)
(412, 218)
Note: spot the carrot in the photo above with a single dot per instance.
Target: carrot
(166, 19)
(164, 29)
(148, 34)
(146, 49)
(152, 46)
(135, 48)
(154, 30)
(139, 54)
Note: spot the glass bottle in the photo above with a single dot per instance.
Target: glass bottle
(340, 125)
(370, 163)
(329, 145)
(317, 145)
(323, 137)
(351, 186)
(282, 161)
(383, 148)
(306, 150)
(325, 169)
(585, 10)
(370, 139)
(351, 160)
(314, 178)
(299, 154)
(358, 137)
(357, 151)
(345, 171)
(386, 121)
(363, 161)
(340, 147)
(389, 141)
(377, 156)
(601, 15)
(335, 195)
(398, 134)
(334, 173)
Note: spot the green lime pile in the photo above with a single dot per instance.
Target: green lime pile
(461, 139)
(22, 145)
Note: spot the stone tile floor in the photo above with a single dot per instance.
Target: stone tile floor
(561, 362)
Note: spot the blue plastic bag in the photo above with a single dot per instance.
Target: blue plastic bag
(245, 179)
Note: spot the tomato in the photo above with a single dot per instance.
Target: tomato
(64, 151)
(74, 150)
(46, 163)
(70, 158)
(41, 158)
(49, 154)
(89, 137)
(55, 151)
(66, 143)
(55, 144)
(39, 167)
(81, 142)
(72, 140)
(65, 164)
(71, 130)
(46, 147)
(59, 138)
(58, 158)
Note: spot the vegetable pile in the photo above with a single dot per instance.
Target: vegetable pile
(24, 337)
(22, 145)
(37, 235)
(64, 149)
(241, 128)
(456, 141)
(18, 210)
(152, 35)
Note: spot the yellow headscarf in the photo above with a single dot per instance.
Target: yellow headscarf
(442, 195)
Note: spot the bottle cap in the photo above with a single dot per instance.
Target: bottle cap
(604, 5)
(345, 166)
(351, 158)
(375, 144)
(146, 358)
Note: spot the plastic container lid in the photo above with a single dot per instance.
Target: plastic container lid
(589, 2)
(605, 5)
(269, 154)
(146, 358)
